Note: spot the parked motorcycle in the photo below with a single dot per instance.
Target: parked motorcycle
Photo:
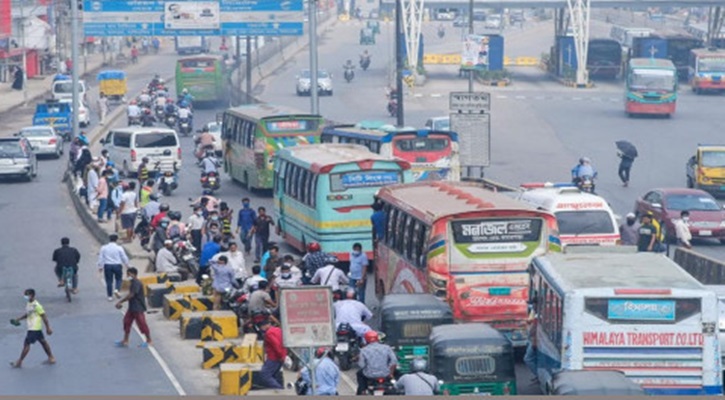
(185, 126)
(238, 302)
(348, 346)
(185, 254)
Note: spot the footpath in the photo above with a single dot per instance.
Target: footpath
(198, 369)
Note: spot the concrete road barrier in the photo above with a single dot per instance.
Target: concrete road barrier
(708, 271)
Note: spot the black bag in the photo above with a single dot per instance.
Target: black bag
(301, 387)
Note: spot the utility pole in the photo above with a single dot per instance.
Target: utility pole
(314, 98)
(399, 62)
(470, 32)
(74, 61)
(248, 70)
(24, 58)
(239, 61)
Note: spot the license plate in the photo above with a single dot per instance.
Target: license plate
(378, 392)
(705, 233)
(342, 347)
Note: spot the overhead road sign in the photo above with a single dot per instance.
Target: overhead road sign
(470, 101)
(193, 18)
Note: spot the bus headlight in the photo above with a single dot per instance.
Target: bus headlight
(438, 283)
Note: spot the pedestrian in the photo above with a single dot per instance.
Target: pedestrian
(136, 310)
(261, 231)
(332, 276)
(625, 165)
(378, 221)
(128, 209)
(270, 261)
(69, 65)
(102, 107)
(245, 222)
(647, 234)
(36, 317)
(18, 81)
(225, 216)
(146, 191)
(111, 260)
(66, 256)
(252, 283)
(327, 374)
(358, 271)
(195, 225)
(114, 200)
(209, 250)
(166, 261)
(83, 159)
(275, 354)
(92, 185)
(629, 231)
(102, 195)
(235, 259)
(223, 279)
(212, 221)
(142, 173)
(682, 229)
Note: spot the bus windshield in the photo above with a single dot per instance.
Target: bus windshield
(198, 63)
(584, 222)
(652, 79)
(290, 126)
(362, 179)
(711, 64)
(419, 144)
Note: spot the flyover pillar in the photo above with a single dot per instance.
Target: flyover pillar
(579, 13)
(715, 24)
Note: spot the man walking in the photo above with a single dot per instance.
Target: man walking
(102, 195)
(35, 315)
(358, 271)
(245, 222)
(625, 165)
(111, 260)
(261, 230)
(136, 310)
(647, 234)
(102, 108)
(128, 210)
(66, 256)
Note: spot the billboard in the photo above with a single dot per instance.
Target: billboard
(474, 55)
(6, 19)
(306, 316)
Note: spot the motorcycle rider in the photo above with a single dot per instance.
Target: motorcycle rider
(313, 260)
(584, 168)
(287, 275)
(352, 312)
(209, 163)
(154, 81)
(418, 382)
(327, 374)
(349, 68)
(160, 235)
(205, 142)
(160, 99)
(364, 58)
(185, 96)
(176, 229)
(147, 119)
(133, 111)
(377, 360)
(330, 275)
(441, 30)
(66, 256)
(144, 99)
(184, 113)
(170, 107)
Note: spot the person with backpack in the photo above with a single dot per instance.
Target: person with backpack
(418, 382)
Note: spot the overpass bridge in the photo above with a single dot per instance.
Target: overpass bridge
(578, 12)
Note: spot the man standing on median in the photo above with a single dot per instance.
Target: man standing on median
(275, 352)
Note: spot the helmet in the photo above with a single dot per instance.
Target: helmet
(321, 352)
(161, 81)
(371, 337)
(418, 365)
(110, 163)
(174, 215)
(145, 91)
(584, 160)
(210, 153)
(164, 221)
(147, 111)
(205, 129)
(182, 104)
(164, 207)
(314, 246)
(185, 90)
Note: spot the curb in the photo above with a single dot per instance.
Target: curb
(502, 83)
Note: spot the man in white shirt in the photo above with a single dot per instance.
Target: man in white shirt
(352, 312)
(209, 163)
(111, 260)
(165, 259)
(184, 113)
(682, 229)
(235, 259)
(128, 210)
(133, 111)
(330, 275)
(144, 98)
(253, 280)
(195, 225)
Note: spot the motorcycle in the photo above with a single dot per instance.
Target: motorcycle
(210, 182)
(237, 301)
(170, 121)
(349, 75)
(364, 63)
(586, 184)
(184, 252)
(348, 347)
(167, 182)
(393, 107)
(381, 387)
(184, 126)
(441, 33)
(160, 112)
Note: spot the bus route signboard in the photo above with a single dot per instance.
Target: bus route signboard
(306, 316)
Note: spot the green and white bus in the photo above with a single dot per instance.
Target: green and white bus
(254, 133)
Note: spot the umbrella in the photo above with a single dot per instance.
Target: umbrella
(626, 148)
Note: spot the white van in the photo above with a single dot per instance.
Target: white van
(583, 218)
(64, 90)
(127, 146)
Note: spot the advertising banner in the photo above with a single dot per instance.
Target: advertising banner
(306, 316)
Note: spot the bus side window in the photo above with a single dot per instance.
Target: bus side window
(409, 238)
(313, 190)
(423, 256)
(375, 146)
(400, 233)
(417, 245)
(287, 179)
(303, 186)
(390, 229)
(295, 182)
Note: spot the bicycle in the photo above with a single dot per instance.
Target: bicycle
(68, 275)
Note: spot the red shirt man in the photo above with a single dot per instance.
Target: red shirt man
(276, 354)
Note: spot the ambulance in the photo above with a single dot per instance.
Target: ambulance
(583, 218)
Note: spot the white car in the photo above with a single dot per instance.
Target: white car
(324, 82)
(84, 115)
(493, 22)
(43, 139)
(438, 124)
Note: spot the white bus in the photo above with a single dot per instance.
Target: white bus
(610, 308)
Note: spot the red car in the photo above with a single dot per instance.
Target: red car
(707, 217)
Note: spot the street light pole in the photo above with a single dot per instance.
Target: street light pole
(74, 69)
(248, 70)
(399, 62)
(314, 98)
(470, 32)
(24, 57)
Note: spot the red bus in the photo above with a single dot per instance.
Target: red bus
(465, 244)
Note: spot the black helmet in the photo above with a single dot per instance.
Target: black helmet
(164, 207)
(174, 215)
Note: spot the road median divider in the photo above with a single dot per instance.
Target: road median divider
(248, 350)
(175, 304)
(708, 271)
(209, 325)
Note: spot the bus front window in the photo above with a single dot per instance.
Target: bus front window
(652, 79)
(711, 65)
(421, 145)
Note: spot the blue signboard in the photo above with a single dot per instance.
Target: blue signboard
(193, 18)
(363, 179)
(641, 309)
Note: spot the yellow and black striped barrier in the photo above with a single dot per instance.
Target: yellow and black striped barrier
(186, 287)
(232, 352)
(211, 331)
(176, 304)
(208, 325)
(455, 59)
(235, 379)
(154, 277)
(155, 293)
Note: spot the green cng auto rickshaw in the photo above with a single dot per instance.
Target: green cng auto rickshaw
(407, 320)
(472, 359)
(374, 25)
(594, 383)
(367, 36)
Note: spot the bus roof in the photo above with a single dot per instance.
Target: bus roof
(265, 110)
(204, 57)
(708, 52)
(433, 200)
(319, 158)
(384, 136)
(651, 63)
(602, 269)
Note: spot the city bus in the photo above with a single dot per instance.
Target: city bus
(604, 60)
(612, 308)
(467, 245)
(204, 77)
(433, 155)
(707, 70)
(253, 133)
(651, 87)
(323, 193)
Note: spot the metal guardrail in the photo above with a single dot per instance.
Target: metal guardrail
(455, 59)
